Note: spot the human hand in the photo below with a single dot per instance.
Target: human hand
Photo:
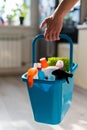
(53, 26)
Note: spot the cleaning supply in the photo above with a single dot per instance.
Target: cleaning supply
(44, 62)
(41, 74)
(61, 74)
(30, 76)
(53, 60)
(36, 66)
(48, 72)
(60, 64)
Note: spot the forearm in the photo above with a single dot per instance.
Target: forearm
(64, 7)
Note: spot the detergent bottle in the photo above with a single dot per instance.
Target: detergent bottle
(41, 74)
(43, 62)
(48, 72)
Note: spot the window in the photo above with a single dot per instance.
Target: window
(10, 9)
(73, 17)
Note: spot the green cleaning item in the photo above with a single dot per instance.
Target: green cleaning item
(53, 60)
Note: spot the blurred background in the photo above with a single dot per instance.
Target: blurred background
(19, 24)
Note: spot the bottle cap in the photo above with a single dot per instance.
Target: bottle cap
(43, 62)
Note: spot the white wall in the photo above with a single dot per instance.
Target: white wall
(80, 54)
(81, 74)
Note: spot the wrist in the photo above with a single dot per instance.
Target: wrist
(58, 16)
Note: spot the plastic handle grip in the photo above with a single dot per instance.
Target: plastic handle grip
(64, 36)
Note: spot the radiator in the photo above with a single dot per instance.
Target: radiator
(10, 51)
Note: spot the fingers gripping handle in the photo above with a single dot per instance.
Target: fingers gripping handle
(62, 36)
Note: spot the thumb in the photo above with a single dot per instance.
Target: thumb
(43, 24)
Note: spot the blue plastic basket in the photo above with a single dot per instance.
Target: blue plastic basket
(50, 100)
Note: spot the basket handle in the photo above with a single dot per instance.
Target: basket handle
(64, 36)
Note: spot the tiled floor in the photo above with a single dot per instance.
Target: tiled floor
(16, 113)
